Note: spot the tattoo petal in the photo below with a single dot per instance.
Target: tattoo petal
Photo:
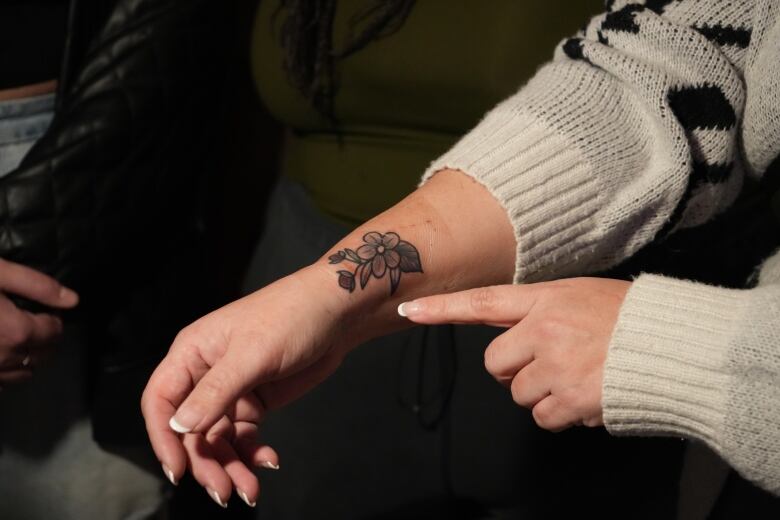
(378, 266)
(390, 240)
(366, 252)
(373, 238)
(392, 258)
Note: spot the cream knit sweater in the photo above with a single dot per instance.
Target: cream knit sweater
(648, 122)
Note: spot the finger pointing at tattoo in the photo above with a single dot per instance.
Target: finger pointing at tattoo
(500, 306)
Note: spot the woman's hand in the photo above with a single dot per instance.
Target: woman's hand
(226, 370)
(27, 338)
(552, 357)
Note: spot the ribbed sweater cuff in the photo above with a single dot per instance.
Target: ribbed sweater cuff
(542, 181)
(666, 368)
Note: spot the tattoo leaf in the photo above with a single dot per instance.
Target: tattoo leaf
(410, 258)
(364, 271)
(395, 278)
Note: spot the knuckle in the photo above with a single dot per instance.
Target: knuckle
(590, 422)
(212, 388)
(18, 334)
(593, 421)
(519, 394)
(543, 415)
(184, 335)
(549, 329)
(483, 299)
(186, 340)
(570, 397)
(214, 435)
(491, 359)
(438, 306)
(146, 403)
(47, 328)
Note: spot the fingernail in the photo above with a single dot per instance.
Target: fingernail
(178, 427)
(245, 498)
(169, 474)
(409, 309)
(268, 464)
(215, 497)
(68, 294)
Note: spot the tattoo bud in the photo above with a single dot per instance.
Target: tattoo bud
(337, 258)
(346, 280)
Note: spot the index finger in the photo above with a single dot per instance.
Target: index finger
(167, 388)
(35, 285)
(499, 306)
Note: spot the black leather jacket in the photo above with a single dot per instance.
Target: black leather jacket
(109, 201)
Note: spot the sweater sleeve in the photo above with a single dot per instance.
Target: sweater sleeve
(645, 123)
(701, 362)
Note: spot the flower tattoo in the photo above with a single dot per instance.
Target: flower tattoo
(380, 254)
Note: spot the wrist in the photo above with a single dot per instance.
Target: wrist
(353, 318)
(449, 235)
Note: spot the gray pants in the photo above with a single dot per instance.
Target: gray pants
(412, 426)
(49, 465)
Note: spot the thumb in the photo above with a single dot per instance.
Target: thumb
(215, 393)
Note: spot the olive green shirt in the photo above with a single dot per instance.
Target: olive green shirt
(405, 99)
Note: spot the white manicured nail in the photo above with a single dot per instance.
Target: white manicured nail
(409, 308)
(245, 498)
(169, 474)
(268, 464)
(175, 426)
(215, 497)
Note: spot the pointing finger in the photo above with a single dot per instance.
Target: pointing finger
(501, 305)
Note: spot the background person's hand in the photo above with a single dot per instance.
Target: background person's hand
(224, 371)
(552, 357)
(26, 338)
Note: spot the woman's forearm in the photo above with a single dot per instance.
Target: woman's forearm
(450, 234)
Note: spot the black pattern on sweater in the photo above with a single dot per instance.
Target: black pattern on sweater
(702, 107)
(726, 35)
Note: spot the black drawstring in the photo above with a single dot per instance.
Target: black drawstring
(430, 411)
